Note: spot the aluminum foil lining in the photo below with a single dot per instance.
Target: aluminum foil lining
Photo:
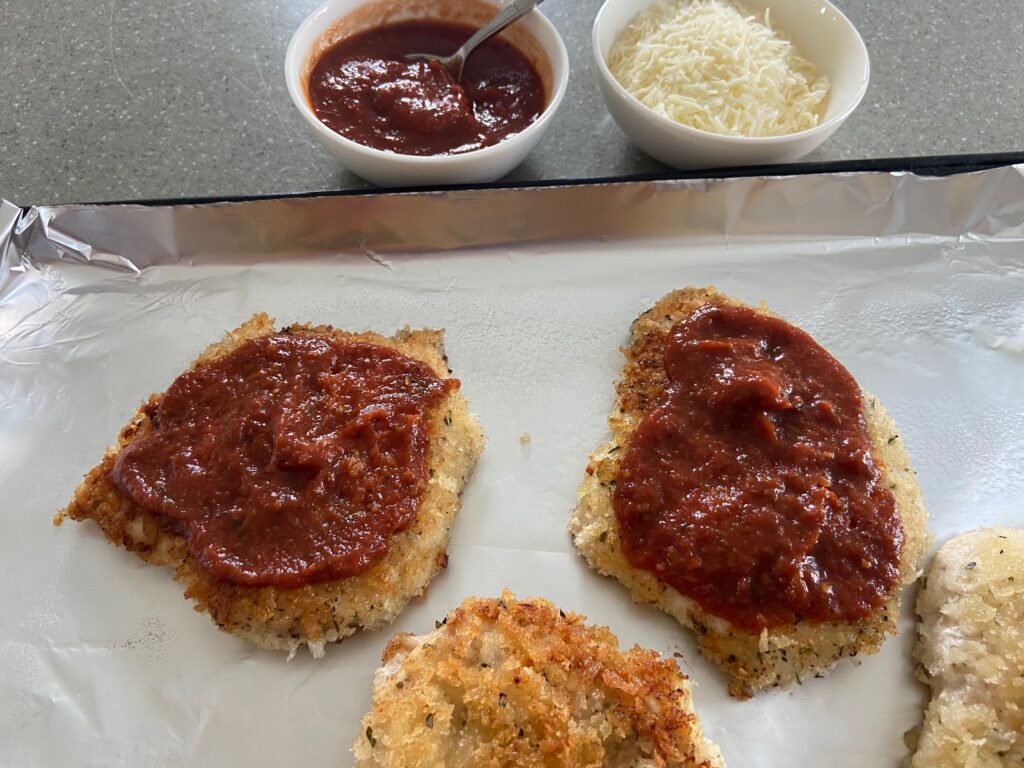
(916, 284)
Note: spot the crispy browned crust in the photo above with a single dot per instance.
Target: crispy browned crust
(777, 657)
(519, 683)
(320, 613)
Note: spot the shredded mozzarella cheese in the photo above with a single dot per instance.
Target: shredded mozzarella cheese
(709, 65)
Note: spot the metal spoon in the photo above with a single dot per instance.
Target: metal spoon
(454, 63)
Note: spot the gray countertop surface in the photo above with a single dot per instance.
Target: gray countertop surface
(143, 99)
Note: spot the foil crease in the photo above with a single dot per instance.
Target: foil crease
(916, 284)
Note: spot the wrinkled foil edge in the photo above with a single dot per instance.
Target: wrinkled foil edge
(130, 238)
(10, 215)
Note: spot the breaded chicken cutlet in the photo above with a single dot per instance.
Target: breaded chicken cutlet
(324, 610)
(970, 650)
(754, 659)
(512, 682)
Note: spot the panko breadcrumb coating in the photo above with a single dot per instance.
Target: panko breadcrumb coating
(970, 650)
(512, 682)
(782, 656)
(315, 614)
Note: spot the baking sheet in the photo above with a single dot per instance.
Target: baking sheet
(916, 284)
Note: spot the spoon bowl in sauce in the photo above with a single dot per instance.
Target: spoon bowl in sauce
(397, 122)
(454, 63)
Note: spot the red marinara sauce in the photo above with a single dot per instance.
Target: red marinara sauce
(751, 487)
(292, 460)
(363, 88)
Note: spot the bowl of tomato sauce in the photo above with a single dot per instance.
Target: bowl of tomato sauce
(397, 122)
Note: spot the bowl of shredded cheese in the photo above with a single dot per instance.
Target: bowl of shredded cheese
(716, 83)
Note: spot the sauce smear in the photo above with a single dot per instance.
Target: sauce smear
(292, 460)
(751, 487)
(363, 88)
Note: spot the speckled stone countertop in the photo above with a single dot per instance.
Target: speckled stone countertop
(124, 99)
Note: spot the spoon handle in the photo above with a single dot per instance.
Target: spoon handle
(515, 10)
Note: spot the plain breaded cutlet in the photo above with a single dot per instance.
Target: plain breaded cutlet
(970, 650)
(781, 656)
(318, 613)
(512, 682)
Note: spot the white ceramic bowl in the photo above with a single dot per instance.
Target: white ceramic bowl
(820, 32)
(533, 35)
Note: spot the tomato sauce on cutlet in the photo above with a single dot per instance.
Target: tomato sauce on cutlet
(292, 460)
(750, 486)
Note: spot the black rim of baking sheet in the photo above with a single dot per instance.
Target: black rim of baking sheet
(926, 165)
